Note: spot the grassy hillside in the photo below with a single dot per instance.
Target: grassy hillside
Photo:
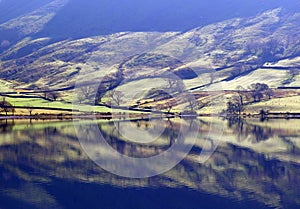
(216, 57)
(230, 47)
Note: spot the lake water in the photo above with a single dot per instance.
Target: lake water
(253, 165)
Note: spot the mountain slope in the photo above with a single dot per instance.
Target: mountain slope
(27, 24)
(230, 47)
(10, 9)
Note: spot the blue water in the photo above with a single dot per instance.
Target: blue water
(43, 166)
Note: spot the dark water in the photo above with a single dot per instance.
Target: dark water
(255, 165)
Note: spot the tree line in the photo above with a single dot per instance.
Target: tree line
(254, 93)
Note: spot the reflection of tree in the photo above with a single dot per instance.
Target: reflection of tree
(243, 130)
(171, 133)
(6, 126)
(261, 133)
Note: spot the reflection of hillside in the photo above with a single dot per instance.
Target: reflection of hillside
(111, 132)
(53, 152)
(278, 139)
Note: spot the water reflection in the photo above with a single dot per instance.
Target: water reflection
(149, 138)
(244, 130)
(256, 166)
(110, 147)
(6, 125)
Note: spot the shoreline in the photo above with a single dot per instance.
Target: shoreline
(109, 116)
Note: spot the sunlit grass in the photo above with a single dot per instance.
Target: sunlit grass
(287, 104)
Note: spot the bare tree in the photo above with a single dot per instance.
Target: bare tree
(53, 95)
(88, 93)
(45, 91)
(212, 77)
(175, 85)
(116, 97)
(193, 104)
(170, 105)
(258, 90)
(238, 104)
(269, 93)
(30, 109)
(80, 98)
(234, 106)
(240, 91)
(100, 93)
(6, 107)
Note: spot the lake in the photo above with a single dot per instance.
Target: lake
(246, 164)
